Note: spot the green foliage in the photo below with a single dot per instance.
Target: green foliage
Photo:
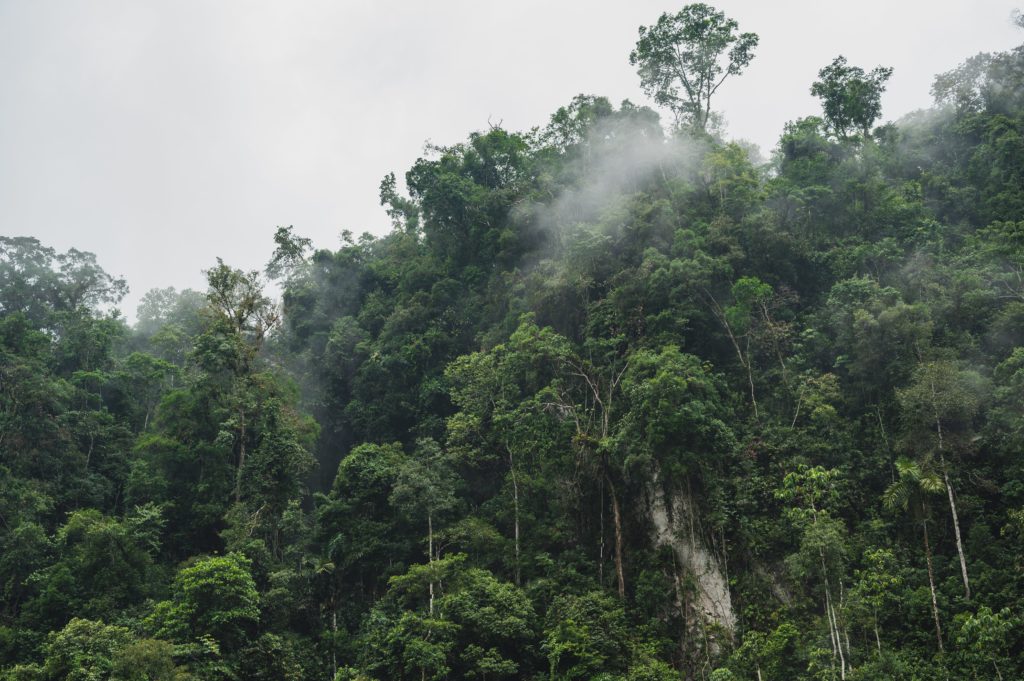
(84, 650)
(45, 285)
(983, 643)
(605, 404)
(680, 60)
(775, 655)
(214, 597)
(585, 635)
(851, 98)
(103, 564)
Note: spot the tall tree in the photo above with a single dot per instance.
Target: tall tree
(851, 97)
(939, 406)
(810, 491)
(424, 489)
(685, 57)
(909, 492)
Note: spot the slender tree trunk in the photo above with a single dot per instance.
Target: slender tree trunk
(88, 455)
(750, 379)
(878, 639)
(766, 316)
(600, 563)
(744, 358)
(334, 637)
(833, 621)
(931, 584)
(881, 428)
(430, 557)
(833, 635)
(846, 631)
(241, 458)
(956, 527)
(830, 612)
(617, 518)
(952, 501)
(515, 508)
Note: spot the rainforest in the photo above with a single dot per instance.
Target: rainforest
(616, 398)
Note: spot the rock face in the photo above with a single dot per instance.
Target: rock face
(677, 525)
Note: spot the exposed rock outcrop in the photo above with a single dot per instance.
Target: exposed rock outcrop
(677, 524)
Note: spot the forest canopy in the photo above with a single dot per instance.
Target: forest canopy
(614, 399)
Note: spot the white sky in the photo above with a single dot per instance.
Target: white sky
(162, 134)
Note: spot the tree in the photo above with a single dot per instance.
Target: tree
(680, 60)
(479, 628)
(494, 619)
(424, 487)
(237, 298)
(241, 317)
(105, 563)
(147, 660)
(964, 86)
(983, 641)
(144, 379)
(289, 254)
(751, 297)
(586, 635)
(280, 461)
(38, 281)
(214, 597)
(938, 407)
(502, 413)
(986, 81)
(823, 544)
(875, 587)
(850, 97)
(909, 492)
(772, 656)
(84, 650)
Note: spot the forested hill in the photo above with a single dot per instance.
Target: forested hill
(615, 399)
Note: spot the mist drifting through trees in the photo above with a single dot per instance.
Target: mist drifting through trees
(615, 399)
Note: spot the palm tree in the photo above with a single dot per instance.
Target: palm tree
(910, 492)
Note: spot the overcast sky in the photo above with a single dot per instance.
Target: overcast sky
(160, 135)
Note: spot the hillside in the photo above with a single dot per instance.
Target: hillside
(615, 399)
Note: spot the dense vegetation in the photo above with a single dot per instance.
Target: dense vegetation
(608, 402)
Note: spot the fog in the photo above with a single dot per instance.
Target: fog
(161, 135)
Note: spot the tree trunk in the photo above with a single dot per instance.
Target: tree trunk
(846, 632)
(931, 585)
(952, 502)
(956, 527)
(241, 459)
(515, 508)
(600, 547)
(617, 518)
(744, 358)
(833, 621)
(430, 557)
(833, 638)
(88, 455)
(830, 612)
(750, 379)
(334, 637)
